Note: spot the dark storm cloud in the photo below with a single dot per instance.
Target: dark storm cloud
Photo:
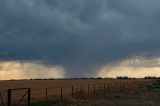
(78, 34)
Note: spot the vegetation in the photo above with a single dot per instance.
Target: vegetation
(122, 77)
(86, 90)
(151, 77)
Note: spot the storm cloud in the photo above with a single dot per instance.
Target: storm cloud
(80, 35)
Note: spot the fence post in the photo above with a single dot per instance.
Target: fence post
(108, 87)
(123, 86)
(111, 87)
(29, 96)
(46, 95)
(2, 99)
(94, 89)
(116, 86)
(81, 89)
(61, 94)
(72, 91)
(88, 89)
(120, 85)
(104, 87)
(9, 97)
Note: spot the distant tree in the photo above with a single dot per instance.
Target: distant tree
(150, 77)
(122, 77)
(99, 78)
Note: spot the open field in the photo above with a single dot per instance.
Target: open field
(41, 84)
(87, 92)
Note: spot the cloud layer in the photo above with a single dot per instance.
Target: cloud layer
(137, 67)
(80, 35)
(27, 70)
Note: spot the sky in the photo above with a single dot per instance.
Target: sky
(79, 38)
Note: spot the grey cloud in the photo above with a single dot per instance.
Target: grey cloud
(80, 35)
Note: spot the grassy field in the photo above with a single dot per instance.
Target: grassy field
(40, 84)
(88, 92)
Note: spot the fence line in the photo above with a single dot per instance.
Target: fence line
(6, 98)
(73, 91)
(84, 89)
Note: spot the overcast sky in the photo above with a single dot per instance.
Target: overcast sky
(79, 35)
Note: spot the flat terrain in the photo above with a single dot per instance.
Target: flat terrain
(88, 92)
(41, 84)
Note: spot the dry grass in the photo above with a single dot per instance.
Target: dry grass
(41, 84)
(112, 90)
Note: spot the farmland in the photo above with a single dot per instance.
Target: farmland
(84, 92)
(41, 84)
